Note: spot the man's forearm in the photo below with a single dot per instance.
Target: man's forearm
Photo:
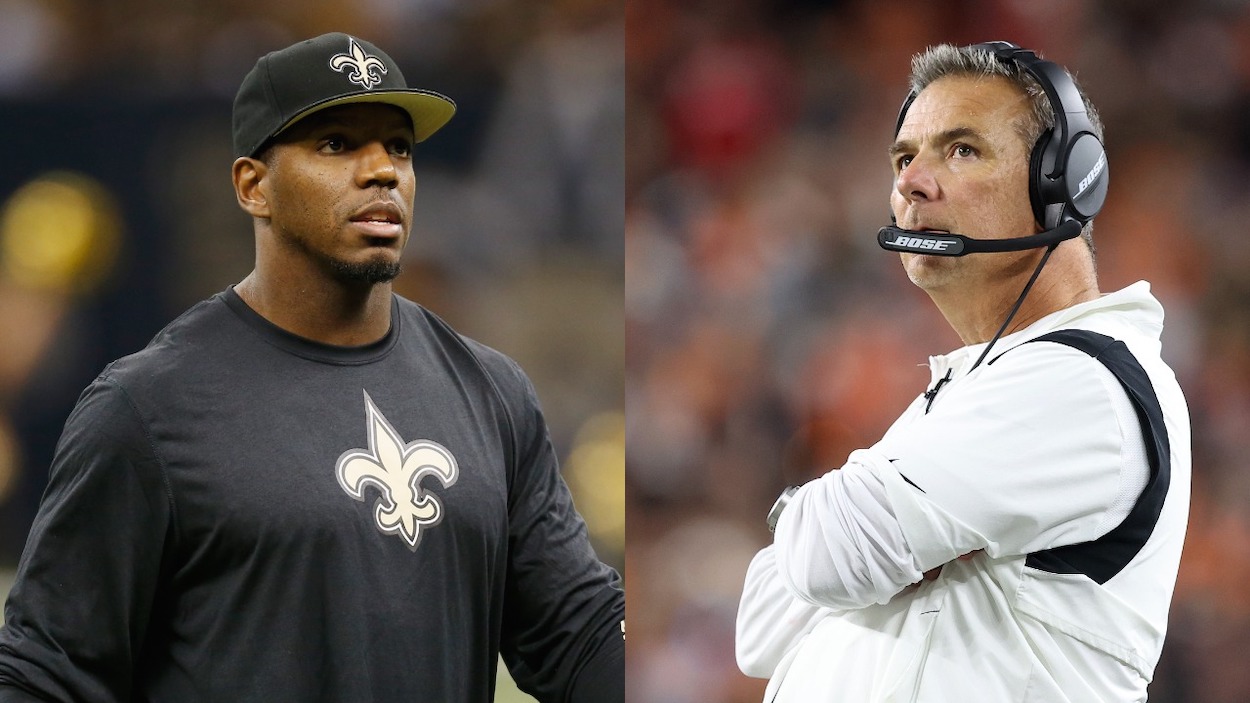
(602, 679)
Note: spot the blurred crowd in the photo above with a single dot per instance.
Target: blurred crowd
(768, 335)
(117, 212)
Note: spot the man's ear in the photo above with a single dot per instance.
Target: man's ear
(250, 186)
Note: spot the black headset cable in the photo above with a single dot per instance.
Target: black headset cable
(1015, 308)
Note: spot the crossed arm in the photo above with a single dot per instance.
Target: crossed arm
(982, 473)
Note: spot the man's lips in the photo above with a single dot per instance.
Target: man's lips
(379, 219)
(371, 228)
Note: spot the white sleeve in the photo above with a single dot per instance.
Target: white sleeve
(1021, 456)
(839, 544)
(770, 620)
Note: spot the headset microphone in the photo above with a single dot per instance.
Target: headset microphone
(944, 244)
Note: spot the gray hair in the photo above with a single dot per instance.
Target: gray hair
(947, 60)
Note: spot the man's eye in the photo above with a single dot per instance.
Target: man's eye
(963, 150)
(903, 162)
(333, 144)
(401, 147)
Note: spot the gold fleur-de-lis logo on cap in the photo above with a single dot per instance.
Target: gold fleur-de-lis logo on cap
(396, 469)
(366, 70)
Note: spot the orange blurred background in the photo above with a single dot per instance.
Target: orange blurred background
(768, 335)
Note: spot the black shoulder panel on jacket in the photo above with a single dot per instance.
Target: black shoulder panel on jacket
(1103, 558)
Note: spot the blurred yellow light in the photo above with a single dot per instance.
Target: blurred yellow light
(59, 232)
(596, 475)
(8, 460)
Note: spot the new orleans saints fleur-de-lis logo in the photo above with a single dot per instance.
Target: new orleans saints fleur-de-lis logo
(396, 470)
(365, 69)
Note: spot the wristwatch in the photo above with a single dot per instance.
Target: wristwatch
(779, 506)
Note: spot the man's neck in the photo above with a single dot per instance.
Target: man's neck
(978, 310)
(339, 314)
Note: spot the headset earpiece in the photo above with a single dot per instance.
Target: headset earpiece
(1036, 198)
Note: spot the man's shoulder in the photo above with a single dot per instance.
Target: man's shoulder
(1084, 361)
(435, 330)
(185, 344)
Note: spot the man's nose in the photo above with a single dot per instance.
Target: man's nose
(918, 180)
(377, 166)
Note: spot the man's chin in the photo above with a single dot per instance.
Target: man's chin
(372, 272)
(928, 273)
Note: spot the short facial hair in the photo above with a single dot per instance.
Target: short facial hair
(368, 272)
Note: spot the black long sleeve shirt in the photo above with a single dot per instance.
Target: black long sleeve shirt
(238, 514)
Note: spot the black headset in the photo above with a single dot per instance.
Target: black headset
(1068, 167)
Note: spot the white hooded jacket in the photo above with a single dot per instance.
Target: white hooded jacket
(1038, 450)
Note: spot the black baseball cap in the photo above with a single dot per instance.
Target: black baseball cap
(333, 69)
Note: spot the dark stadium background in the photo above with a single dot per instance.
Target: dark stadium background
(116, 211)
